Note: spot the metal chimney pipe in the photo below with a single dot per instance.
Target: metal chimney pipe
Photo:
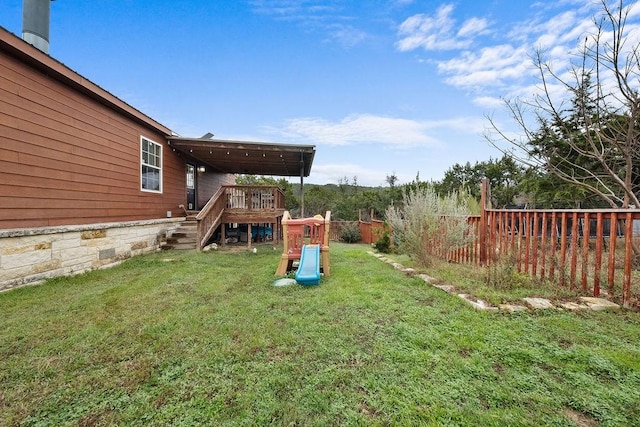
(35, 23)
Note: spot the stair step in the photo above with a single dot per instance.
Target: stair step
(182, 234)
(178, 246)
(175, 238)
(185, 236)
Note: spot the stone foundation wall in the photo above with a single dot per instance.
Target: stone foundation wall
(28, 256)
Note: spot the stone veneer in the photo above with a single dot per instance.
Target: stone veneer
(28, 256)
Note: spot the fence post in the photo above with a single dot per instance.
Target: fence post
(628, 260)
(482, 229)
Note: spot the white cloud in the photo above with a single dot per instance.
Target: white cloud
(321, 16)
(332, 174)
(503, 68)
(491, 66)
(437, 32)
(488, 102)
(634, 10)
(356, 129)
(371, 129)
(294, 9)
(346, 35)
(402, 2)
(472, 27)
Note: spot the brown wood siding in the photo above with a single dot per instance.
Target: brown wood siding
(67, 159)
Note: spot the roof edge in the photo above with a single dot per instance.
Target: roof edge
(18, 48)
(237, 142)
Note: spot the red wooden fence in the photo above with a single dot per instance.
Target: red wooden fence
(593, 249)
(370, 232)
(590, 249)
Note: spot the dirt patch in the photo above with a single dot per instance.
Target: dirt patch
(580, 419)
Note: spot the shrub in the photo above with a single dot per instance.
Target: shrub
(427, 226)
(350, 233)
(383, 244)
(503, 274)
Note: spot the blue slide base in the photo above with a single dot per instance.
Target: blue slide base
(308, 273)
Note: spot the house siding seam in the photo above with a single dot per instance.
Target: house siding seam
(29, 256)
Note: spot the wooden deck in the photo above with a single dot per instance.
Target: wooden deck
(240, 204)
(252, 204)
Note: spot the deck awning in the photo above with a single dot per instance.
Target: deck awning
(247, 157)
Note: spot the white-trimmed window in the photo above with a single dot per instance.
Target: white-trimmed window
(151, 165)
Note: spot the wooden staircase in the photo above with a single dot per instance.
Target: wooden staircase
(185, 236)
(230, 204)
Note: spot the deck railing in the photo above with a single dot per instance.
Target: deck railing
(236, 198)
(248, 197)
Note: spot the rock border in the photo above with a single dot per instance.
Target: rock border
(585, 303)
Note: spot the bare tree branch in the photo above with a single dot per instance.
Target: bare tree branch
(592, 144)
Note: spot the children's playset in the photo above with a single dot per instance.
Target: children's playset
(306, 240)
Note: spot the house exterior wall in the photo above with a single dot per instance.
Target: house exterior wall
(209, 183)
(69, 158)
(28, 256)
(70, 172)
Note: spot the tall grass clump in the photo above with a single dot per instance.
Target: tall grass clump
(428, 226)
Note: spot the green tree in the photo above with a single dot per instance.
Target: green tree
(593, 144)
(504, 176)
(291, 201)
(318, 199)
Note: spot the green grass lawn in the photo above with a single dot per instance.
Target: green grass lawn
(501, 283)
(185, 338)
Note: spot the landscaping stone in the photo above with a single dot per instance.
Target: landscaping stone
(511, 308)
(447, 288)
(587, 303)
(538, 303)
(599, 304)
(477, 304)
(426, 278)
(572, 306)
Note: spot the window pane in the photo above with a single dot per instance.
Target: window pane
(145, 181)
(154, 181)
(151, 155)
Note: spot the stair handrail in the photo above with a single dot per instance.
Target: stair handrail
(210, 217)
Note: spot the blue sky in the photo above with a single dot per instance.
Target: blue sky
(379, 86)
